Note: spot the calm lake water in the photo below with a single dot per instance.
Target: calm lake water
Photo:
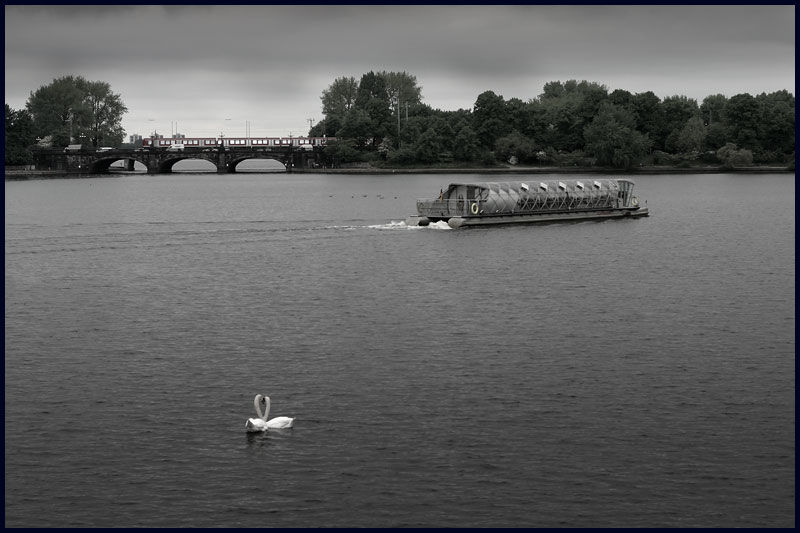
(601, 374)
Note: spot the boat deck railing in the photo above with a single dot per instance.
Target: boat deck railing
(440, 207)
(448, 207)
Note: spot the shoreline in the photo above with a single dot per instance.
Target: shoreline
(551, 170)
(23, 174)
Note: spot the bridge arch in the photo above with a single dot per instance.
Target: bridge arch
(103, 165)
(165, 164)
(234, 162)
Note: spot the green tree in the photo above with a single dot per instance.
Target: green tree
(535, 124)
(692, 137)
(716, 136)
(412, 128)
(104, 111)
(357, 126)
(19, 137)
(592, 96)
(490, 118)
(712, 110)
(405, 155)
(677, 110)
(444, 132)
(370, 87)
(563, 118)
(742, 116)
(649, 117)
(403, 86)
(465, 146)
(521, 116)
(733, 157)
(343, 151)
(621, 98)
(428, 147)
(327, 127)
(72, 108)
(380, 119)
(552, 89)
(339, 98)
(515, 145)
(776, 130)
(52, 108)
(613, 139)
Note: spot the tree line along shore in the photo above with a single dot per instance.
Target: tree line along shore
(381, 121)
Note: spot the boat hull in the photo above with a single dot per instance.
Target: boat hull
(528, 218)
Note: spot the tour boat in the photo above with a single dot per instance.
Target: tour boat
(517, 202)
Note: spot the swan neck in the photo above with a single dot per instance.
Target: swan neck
(266, 408)
(257, 403)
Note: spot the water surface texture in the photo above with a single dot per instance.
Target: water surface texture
(598, 374)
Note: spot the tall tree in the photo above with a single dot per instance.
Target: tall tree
(515, 145)
(742, 116)
(621, 98)
(733, 157)
(776, 121)
(613, 139)
(444, 131)
(403, 86)
(566, 109)
(19, 136)
(649, 116)
(72, 108)
(692, 136)
(381, 120)
(716, 136)
(677, 110)
(104, 111)
(466, 143)
(562, 121)
(490, 118)
(593, 94)
(412, 128)
(428, 147)
(53, 108)
(552, 89)
(371, 86)
(712, 110)
(339, 97)
(521, 116)
(357, 126)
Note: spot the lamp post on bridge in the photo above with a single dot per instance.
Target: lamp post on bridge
(396, 104)
(290, 160)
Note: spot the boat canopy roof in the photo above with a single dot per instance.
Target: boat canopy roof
(508, 196)
(590, 186)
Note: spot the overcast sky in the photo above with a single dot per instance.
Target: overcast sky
(206, 70)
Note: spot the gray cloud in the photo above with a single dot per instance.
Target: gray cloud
(269, 64)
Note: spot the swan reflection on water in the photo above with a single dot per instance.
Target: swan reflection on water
(261, 424)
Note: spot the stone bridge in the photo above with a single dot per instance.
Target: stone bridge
(161, 161)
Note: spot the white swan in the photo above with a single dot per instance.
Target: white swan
(261, 423)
